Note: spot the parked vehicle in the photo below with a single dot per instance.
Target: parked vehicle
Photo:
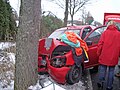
(112, 16)
(56, 58)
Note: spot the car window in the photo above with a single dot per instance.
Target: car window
(95, 35)
(102, 29)
(76, 32)
(57, 34)
(85, 32)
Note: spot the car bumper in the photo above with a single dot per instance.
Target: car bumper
(58, 74)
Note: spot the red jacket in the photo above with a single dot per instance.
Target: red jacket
(109, 46)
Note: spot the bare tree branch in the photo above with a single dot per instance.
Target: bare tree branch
(73, 5)
(60, 4)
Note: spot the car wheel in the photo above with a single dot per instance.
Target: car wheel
(74, 74)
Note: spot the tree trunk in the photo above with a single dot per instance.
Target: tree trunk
(66, 12)
(72, 20)
(27, 44)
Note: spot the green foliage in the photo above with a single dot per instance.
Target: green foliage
(49, 24)
(7, 22)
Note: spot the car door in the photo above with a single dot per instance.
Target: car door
(85, 31)
(92, 40)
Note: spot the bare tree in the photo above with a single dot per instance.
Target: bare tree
(86, 17)
(66, 12)
(64, 5)
(27, 44)
(73, 6)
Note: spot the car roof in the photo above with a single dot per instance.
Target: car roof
(76, 27)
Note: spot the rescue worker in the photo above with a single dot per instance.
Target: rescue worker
(108, 52)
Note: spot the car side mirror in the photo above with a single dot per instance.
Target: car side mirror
(89, 43)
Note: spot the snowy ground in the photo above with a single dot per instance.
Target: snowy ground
(49, 84)
(4, 45)
(7, 62)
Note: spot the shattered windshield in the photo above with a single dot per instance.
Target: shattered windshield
(57, 34)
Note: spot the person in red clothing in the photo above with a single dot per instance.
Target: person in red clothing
(108, 52)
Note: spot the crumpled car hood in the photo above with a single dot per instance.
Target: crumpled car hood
(47, 45)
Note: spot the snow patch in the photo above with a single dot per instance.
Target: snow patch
(48, 86)
(4, 45)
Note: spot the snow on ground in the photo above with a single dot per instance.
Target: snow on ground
(49, 86)
(12, 57)
(9, 87)
(46, 83)
(4, 45)
(7, 72)
(7, 62)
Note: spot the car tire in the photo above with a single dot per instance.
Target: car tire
(74, 75)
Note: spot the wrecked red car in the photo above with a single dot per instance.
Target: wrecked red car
(56, 57)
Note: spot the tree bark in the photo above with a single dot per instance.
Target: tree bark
(27, 44)
(72, 20)
(66, 12)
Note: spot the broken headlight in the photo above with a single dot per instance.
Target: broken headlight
(58, 56)
(58, 61)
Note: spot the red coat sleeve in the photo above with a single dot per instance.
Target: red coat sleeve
(100, 44)
(119, 52)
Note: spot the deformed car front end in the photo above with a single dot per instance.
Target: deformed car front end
(55, 57)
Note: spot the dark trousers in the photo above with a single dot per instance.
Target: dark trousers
(103, 74)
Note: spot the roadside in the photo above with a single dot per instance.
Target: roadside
(87, 79)
(7, 62)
